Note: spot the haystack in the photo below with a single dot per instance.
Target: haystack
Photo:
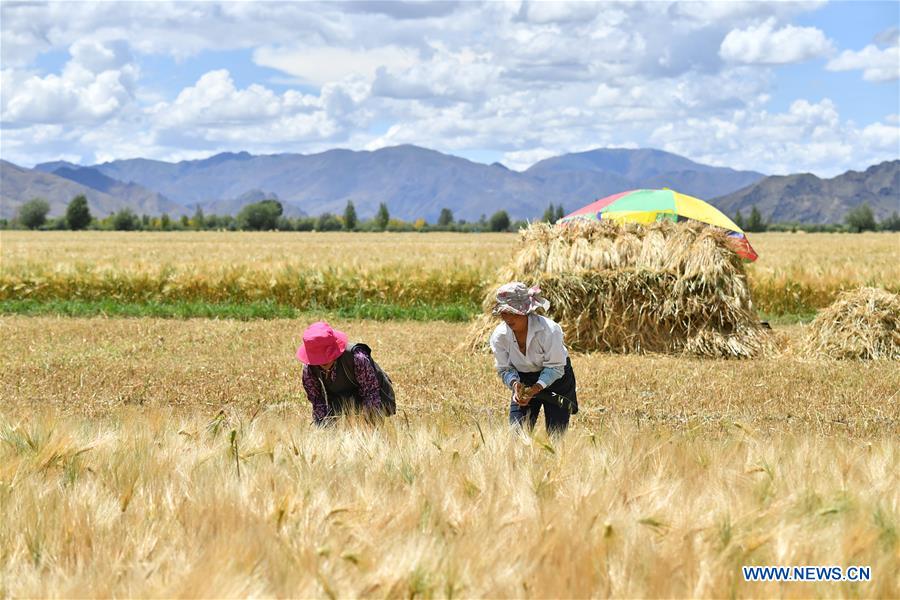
(663, 287)
(861, 324)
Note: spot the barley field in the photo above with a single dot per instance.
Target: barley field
(796, 274)
(143, 457)
(146, 457)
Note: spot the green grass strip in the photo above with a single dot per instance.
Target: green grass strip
(454, 313)
(243, 312)
(787, 318)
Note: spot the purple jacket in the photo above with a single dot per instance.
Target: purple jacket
(369, 389)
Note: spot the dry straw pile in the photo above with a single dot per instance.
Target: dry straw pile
(631, 288)
(862, 324)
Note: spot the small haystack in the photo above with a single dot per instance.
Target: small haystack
(663, 287)
(861, 324)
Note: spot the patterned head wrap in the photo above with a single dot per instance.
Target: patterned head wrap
(519, 299)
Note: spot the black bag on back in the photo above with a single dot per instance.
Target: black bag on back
(386, 386)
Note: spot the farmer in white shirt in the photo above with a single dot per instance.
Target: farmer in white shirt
(532, 360)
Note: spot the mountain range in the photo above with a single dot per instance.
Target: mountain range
(414, 182)
(805, 198)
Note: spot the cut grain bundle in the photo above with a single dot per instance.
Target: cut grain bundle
(862, 324)
(664, 287)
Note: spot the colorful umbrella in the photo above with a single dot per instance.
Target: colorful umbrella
(647, 206)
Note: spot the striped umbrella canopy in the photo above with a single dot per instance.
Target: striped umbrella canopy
(648, 206)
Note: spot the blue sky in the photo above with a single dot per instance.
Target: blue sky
(773, 87)
(850, 25)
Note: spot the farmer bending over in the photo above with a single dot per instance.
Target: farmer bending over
(532, 360)
(340, 378)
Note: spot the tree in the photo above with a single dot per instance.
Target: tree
(328, 222)
(892, 223)
(755, 222)
(549, 214)
(198, 221)
(78, 214)
(499, 221)
(861, 218)
(304, 224)
(260, 216)
(382, 217)
(739, 219)
(165, 222)
(399, 225)
(33, 214)
(125, 220)
(560, 213)
(350, 216)
(446, 218)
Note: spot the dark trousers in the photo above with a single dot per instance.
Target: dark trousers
(340, 405)
(556, 417)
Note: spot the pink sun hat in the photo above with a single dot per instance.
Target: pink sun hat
(321, 344)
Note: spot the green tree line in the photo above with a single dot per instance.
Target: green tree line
(857, 220)
(268, 215)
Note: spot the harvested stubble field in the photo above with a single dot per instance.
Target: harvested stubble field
(161, 458)
(796, 275)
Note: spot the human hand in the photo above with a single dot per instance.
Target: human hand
(525, 394)
(520, 394)
(531, 392)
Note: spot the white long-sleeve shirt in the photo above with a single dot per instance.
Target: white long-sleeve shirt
(545, 351)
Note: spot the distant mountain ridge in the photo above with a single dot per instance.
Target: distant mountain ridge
(614, 170)
(18, 185)
(634, 165)
(138, 198)
(805, 198)
(413, 181)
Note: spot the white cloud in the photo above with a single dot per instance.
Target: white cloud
(214, 111)
(763, 44)
(464, 75)
(523, 159)
(607, 95)
(525, 125)
(97, 57)
(808, 137)
(548, 78)
(560, 11)
(637, 98)
(888, 37)
(717, 11)
(881, 135)
(319, 65)
(97, 83)
(178, 29)
(343, 99)
(214, 100)
(877, 64)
